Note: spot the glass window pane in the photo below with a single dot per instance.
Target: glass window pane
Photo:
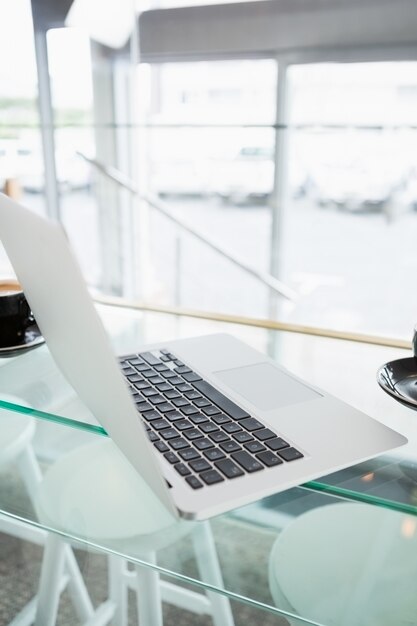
(348, 244)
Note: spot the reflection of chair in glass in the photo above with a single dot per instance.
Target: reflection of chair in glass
(16, 434)
(347, 564)
(94, 493)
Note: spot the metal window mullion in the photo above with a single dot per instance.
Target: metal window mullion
(280, 188)
(47, 125)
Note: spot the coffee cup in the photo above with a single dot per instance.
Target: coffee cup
(15, 313)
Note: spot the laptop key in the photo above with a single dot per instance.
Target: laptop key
(199, 401)
(251, 424)
(192, 434)
(189, 410)
(128, 370)
(203, 444)
(148, 392)
(169, 433)
(214, 454)
(142, 367)
(169, 392)
(230, 446)
(182, 469)
(183, 424)
(135, 361)
(211, 477)
(164, 387)
(142, 407)
(175, 381)
(193, 395)
(152, 436)
(269, 458)
(160, 424)
(263, 434)
(242, 437)
(158, 399)
(184, 387)
(171, 457)
(221, 419)
(182, 369)
(149, 416)
(134, 378)
(191, 377)
(231, 427)
(160, 368)
(180, 402)
(218, 436)
(169, 374)
(148, 373)
(179, 443)
(290, 454)
(208, 427)
(165, 407)
(161, 446)
(188, 454)
(254, 446)
(229, 469)
(142, 385)
(210, 409)
(277, 444)
(194, 482)
(173, 416)
(156, 380)
(198, 418)
(199, 465)
(149, 358)
(226, 405)
(247, 461)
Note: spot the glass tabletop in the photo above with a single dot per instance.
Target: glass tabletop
(275, 555)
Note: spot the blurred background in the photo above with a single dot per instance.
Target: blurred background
(250, 158)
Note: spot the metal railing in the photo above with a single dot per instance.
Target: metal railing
(126, 183)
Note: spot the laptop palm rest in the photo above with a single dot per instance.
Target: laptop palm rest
(265, 386)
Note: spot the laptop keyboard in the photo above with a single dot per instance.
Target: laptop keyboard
(206, 437)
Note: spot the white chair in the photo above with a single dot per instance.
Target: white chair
(94, 493)
(16, 435)
(347, 564)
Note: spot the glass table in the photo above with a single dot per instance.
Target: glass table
(316, 554)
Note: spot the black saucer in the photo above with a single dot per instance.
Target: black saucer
(32, 339)
(399, 379)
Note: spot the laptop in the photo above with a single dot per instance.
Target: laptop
(208, 422)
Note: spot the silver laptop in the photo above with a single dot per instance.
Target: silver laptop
(208, 422)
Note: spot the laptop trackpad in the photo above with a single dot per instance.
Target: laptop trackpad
(265, 386)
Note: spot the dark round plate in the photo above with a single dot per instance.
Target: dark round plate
(32, 339)
(399, 379)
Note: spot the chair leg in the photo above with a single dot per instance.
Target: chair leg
(209, 568)
(50, 581)
(76, 587)
(32, 477)
(148, 594)
(118, 589)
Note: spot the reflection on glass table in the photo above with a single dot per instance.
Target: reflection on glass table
(292, 558)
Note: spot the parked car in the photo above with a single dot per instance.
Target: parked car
(353, 187)
(72, 171)
(249, 176)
